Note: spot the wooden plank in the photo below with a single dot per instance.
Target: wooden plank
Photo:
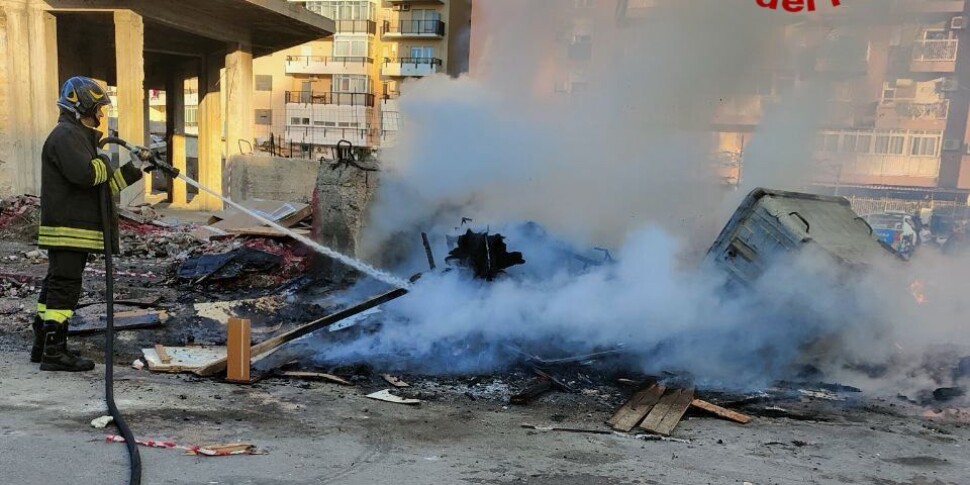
(184, 359)
(129, 320)
(665, 415)
(219, 365)
(632, 413)
(395, 381)
(239, 343)
(162, 354)
(317, 375)
(386, 396)
(721, 412)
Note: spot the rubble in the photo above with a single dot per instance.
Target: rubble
(20, 217)
(486, 255)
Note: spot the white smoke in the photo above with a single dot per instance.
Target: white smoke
(624, 165)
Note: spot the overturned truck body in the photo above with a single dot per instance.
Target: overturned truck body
(770, 222)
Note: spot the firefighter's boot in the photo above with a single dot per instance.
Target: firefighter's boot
(56, 356)
(37, 351)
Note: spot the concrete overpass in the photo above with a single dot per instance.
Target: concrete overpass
(136, 45)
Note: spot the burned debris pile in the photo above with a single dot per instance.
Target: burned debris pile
(486, 255)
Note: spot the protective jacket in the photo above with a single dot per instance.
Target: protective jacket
(72, 176)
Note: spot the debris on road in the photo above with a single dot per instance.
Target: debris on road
(394, 381)
(102, 422)
(566, 430)
(316, 375)
(634, 410)
(386, 396)
(668, 411)
(486, 255)
(229, 449)
(183, 359)
(721, 412)
(124, 320)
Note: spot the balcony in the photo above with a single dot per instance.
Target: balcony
(355, 26)
(411, 67)
(742, 110)
(877, 169)
(912, 115)
(413, 29)
(318, 124)
(328, 98)
(392, 3)
(316, 65)
(935, 56)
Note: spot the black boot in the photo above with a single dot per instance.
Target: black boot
(56, 357)
(37, 351)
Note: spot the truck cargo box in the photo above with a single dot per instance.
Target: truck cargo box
(771, 222)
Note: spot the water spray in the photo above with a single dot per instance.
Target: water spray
(324, 250)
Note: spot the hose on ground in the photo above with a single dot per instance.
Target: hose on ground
(134, 459)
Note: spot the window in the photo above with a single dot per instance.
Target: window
(889, 144)
(296, 120)
(343, 9)
(350, 83)
(263, 82)
(351, 46)
(925, 145)
(191, 115)
(422, 52)
(849, 142)
(264, 117)
(888, 91)
(864, 143)
(934, 35)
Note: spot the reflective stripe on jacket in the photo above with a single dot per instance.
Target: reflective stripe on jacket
(72, 176)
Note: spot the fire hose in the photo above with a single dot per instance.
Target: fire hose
(134, 459)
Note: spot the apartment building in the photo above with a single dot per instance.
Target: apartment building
(895, 121)
(345, 87)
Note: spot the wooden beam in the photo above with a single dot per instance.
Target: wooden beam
(632, 413)
(721, 412)
(268, 345)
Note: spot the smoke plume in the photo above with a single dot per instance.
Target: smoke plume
(625, 164)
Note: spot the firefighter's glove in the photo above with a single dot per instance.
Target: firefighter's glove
(155, 164)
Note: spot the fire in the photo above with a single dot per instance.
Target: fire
(916, 289)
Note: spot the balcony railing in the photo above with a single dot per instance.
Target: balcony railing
(411, 66)
(936, 50)
(355, 26)
(318, 97)
(414, 28)
(917, 111)
(307, 60)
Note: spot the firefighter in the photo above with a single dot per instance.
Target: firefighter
(73, 175)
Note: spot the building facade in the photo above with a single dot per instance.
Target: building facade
(345, 87)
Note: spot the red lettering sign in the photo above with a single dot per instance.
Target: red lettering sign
(793, 6)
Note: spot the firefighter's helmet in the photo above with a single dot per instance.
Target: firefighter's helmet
(83, 96)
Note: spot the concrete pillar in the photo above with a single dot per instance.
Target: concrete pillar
(176, 151)
(239, 100)
(44, 87)
(175, 129)
(15, 147)
(210, 134)
(28, 90)
(130, 76)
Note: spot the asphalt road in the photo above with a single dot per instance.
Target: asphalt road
(323, 433)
